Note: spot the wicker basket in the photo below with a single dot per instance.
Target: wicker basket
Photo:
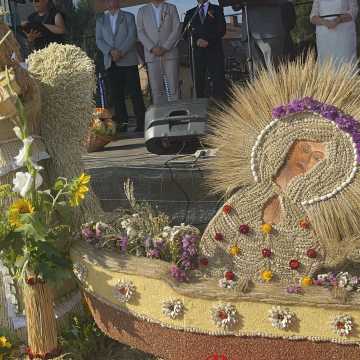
(96, 142)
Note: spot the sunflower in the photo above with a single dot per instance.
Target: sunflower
(4, 342)
(79, 189)
(21, 206)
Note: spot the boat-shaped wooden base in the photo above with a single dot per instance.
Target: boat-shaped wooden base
(140, 322)
(172, 344)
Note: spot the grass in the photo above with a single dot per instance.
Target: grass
(81, 339)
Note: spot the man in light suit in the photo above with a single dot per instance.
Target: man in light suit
(116, 38)
(159, 30)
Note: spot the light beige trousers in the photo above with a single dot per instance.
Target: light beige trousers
(157, 69)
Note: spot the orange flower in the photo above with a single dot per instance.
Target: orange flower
(267, 275)
(266, 228)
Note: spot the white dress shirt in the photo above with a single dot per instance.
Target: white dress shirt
(113, 20)
(157, 13)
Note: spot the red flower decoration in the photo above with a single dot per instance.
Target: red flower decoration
(222, 315)
(219, 237)
(31, 281)
(304, 224)
(244, 229)
(311, 253)
(229, 275)
(227, 209)
(266, 253)
(294, 264)
(204, 261)
(340, 325)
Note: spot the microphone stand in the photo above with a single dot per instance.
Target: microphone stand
(249, 60)
(188, 28)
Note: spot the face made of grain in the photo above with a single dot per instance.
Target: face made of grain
(302, 158)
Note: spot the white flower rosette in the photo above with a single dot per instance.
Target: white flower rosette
(80, 271)
(342, 325)
(124, 291)
(281, 318)
(227, 284)
(173, 308)
(225, 316)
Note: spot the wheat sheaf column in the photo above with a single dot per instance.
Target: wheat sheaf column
(41, 322)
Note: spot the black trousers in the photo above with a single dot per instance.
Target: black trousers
(210, 64)
(122, 78)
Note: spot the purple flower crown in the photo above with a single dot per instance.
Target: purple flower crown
(343, 121)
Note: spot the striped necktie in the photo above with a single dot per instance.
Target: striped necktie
(202, 13)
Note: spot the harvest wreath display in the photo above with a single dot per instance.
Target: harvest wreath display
(282, 250)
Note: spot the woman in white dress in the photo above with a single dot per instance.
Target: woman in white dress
(335, 30)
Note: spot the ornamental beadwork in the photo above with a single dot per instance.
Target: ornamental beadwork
(342, 325)
(173, 308)
(281, 318)
(80, 271)
(124, 291)
(225, 316)
(343, 122)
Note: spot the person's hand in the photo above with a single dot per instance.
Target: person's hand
(162, 51)
(332, 24)
(33, 35)
(157, 51)
(201, 43)
(345, 18)
(116, 55)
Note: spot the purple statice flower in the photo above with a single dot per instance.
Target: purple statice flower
(187, 241)
(358, 151)
(279, 111)
(294, 289)
(123, 241)
(296, 106)
(188, 251)
(87, 233)
(318, 282)
(329, 112)
(178, 274)
(347, 123)
(356, 137)
(159, 244)
(311, 104)
(153, 253)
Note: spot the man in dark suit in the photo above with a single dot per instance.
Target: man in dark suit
(267, 32)
(208, 27)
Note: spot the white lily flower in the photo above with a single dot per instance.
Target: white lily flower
(23, 183)
(18, 132)
(21, 158)
(38, 181)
